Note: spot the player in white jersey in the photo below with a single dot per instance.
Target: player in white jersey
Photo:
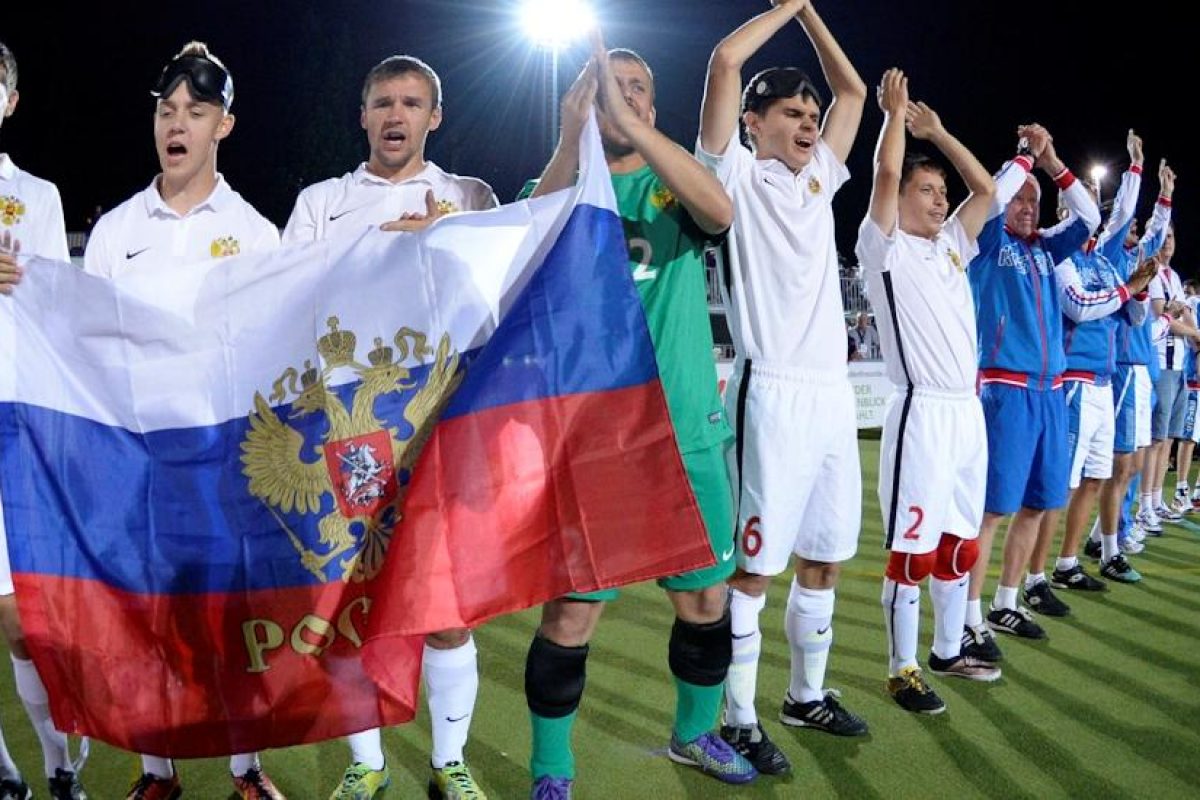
(398, 189)
(1166, 302)
(187, 214)
(401, 105)
(933, 465)
(31, 224)
(798, 480)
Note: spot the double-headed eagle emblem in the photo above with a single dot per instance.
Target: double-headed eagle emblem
(362, 460)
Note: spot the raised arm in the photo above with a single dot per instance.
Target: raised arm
(1156, 230)
(889, 152)
(849, 92)
(693, 185)
(924, 123)
(720, 110)
(576, 104)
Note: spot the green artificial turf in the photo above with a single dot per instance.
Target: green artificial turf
(1108, 707)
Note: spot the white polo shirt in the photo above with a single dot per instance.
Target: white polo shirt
(1166, 286)
(784, 300)
(31, 212)
(359, 200)
(145, 228)
(929, 303)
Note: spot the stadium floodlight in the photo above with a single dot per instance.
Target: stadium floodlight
(553, 24)
(1098, 173)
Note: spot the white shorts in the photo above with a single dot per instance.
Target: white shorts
(933, 464)
(1144, 409)
(795, 467)
(6, 582)
(1091, 428)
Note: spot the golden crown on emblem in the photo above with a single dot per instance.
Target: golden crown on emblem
(337, 347)
(382, 354)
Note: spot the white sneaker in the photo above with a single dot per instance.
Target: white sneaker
(1130, 547)
(1181, 505)
(1167, 514)
(1136, 532)
(1148, 521)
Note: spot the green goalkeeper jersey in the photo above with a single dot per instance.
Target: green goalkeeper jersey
(666, 254)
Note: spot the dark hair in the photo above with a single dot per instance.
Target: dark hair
(916, 161)
(395, 67)
(9, 62)
(777, 83)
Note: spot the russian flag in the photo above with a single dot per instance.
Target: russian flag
(223, 482)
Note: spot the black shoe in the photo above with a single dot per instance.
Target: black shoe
(752, 742)
(1091, 549)
(1076, 578)
(15, 789)
(1042, 600)
(65, 785)
(912, 693)
(964, 667)
(825, 714)
(1017, 621)
(980, 644)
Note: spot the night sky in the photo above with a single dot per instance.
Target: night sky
(84, 119)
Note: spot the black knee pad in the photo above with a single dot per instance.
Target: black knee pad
(554, 677)
(700, 654)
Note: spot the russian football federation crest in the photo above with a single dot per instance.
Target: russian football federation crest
(345, 463)
(11, 210)
(447, 207)
(224, 246)
(814, 185)
(955, 259)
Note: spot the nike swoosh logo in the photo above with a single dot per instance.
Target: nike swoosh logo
(134, 253)
(728, 554)
(458, 719)
(824, 630)
(340, 214)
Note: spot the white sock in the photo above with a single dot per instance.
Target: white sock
(741, 685)
(8, 768)
(1147, 505)
(1064, 564)
(902, 616)
(451, 684)
(1157, 498)
(1095, 534)
(158, 767)
(809, 626)
(1109, 547)
(949, 613)
(974, 616)
(1033, 579)
(366, 747)
(32, 692)
(1006, 597)
(1181, 487)
(243, 763)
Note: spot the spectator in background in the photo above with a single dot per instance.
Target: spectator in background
(865, 338)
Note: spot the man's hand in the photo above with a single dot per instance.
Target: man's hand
(10, 273)
(1035, 136)
(577, 103)
(1142, 275)
(892, 92)
(1166, 179)
(1133, 144)
(923, 122)
(412, 221)
(609, 97)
